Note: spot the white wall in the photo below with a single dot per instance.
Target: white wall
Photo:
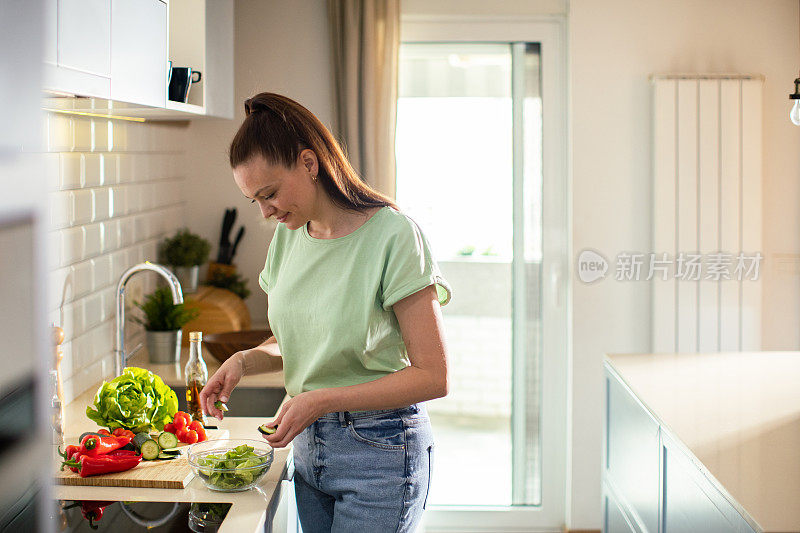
(614, 46)
(279, 46)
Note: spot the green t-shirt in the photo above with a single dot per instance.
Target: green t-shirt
(330, 300)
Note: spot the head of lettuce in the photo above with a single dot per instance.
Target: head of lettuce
(137, 400)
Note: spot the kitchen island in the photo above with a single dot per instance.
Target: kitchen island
(250, 510)
(702, 442)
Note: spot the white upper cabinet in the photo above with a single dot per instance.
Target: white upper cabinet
(139, 52)
(118, 51)
(84, 36)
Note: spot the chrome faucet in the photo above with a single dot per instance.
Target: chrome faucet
(121, 358)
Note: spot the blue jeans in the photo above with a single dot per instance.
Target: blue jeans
(366, 471)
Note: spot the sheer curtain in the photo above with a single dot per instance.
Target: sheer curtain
(365, 40)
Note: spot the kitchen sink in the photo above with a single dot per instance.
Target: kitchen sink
(262, 402)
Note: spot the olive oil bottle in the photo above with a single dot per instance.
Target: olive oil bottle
(196, 376)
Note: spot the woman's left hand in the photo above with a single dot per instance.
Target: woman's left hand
(295, 415)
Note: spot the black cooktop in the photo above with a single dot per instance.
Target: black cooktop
(121, 517)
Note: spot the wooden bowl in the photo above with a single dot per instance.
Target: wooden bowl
(224, 345)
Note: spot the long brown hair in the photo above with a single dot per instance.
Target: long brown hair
(278, 128)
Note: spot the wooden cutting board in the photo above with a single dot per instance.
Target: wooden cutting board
(174, 474)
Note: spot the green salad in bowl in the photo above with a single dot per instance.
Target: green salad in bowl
(230, 465)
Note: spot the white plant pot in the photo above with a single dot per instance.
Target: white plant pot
(164, 347)
(188, 278)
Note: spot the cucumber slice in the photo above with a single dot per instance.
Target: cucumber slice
(167, 440)
(166, 457)
(221, 406)
(172, 451)
(140, 439)
(266, 430)
(147, 446)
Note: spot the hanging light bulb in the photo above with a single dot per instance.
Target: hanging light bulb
(794, 114)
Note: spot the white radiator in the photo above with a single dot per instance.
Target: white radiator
(707, 204)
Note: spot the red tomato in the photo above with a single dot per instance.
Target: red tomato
(170, 428)
(179, 420)
(201, 434)
(194, 424)
(191, 436)
(181, 434)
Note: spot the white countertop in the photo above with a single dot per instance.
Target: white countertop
(739, 414)
(249, 510)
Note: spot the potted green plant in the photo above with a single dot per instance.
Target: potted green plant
(163, 321)
(184, 253)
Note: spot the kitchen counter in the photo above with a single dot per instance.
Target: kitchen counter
(250, 508)
(738, 414)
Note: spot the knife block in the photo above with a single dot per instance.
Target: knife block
(222, 268)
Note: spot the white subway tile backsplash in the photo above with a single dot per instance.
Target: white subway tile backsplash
(126, 232)
(70, 166)
(92, 170)
(82, 206)
(151, 251)
(93, 243)
(118, 201)
(124, 168)
(133, 201)
(119, 136)
(133, 255)
(101, 137)
(93, 310)
(82, 131)
(119, 263)
(100, 203)
(60, 209)
(71, 245)
(109, 296)
(101, 272)
(110, 236)
(81, 278)
(57, 285)
(59, 133)
(110, 162)
(140, 227)
(116, 193)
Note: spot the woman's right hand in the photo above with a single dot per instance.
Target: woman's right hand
(221, 384)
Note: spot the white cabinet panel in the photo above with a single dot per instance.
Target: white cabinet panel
(139, 51)
(84, 36)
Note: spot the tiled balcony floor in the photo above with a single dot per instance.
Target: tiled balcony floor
(472, 461)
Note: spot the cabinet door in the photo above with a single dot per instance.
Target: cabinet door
(632, 452)
(139, 52)
(692, 502)
(84, 36)
(615, 520)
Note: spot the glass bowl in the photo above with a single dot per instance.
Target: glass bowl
(230, 465)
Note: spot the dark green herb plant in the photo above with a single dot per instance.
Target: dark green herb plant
(232, 282)
(184, 249)
(163, 315)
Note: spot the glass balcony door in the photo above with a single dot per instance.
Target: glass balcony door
(471, 131)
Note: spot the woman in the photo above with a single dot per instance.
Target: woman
(354, 306)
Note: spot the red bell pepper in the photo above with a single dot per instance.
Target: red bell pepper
(91, 510)
(92, 445)
(117, 461)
